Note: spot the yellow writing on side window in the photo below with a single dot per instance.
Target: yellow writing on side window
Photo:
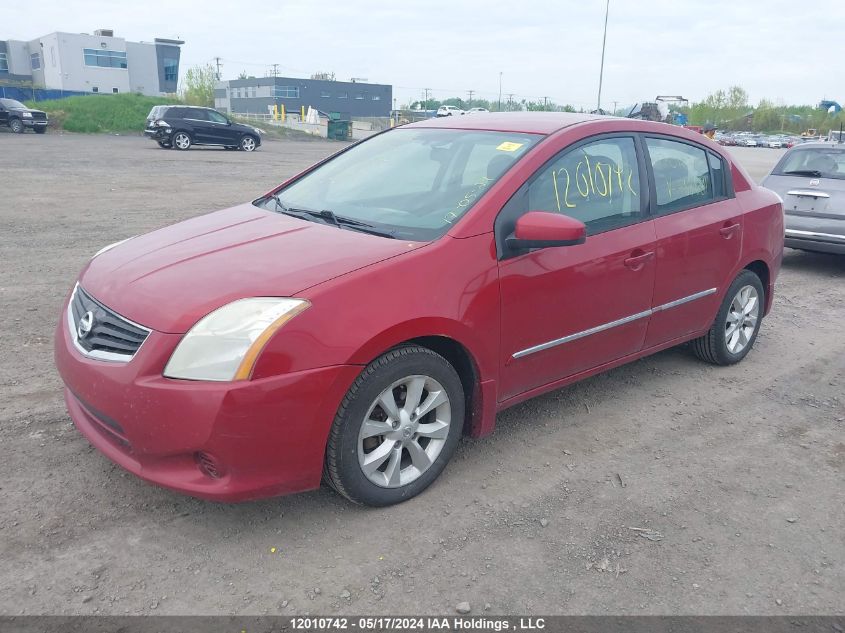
(508, 146)
(592, 181)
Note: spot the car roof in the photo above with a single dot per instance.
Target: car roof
(819, 145)
(525, 122)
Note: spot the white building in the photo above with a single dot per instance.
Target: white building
(92, 63)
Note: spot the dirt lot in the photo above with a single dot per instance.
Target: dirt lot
(740, 469)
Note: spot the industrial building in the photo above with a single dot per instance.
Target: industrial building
(260, 95)
(98, 63)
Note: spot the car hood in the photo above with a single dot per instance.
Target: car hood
(168, 279)
(27, 110)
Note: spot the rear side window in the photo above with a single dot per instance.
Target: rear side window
(681, 175)
(197, 114)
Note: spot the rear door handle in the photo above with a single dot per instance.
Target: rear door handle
(728, 231)
(636, 262)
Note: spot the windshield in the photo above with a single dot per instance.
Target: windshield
(820, 162)
(411, 183)
(11, 103)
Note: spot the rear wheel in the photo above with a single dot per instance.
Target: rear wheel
(396, 428)
(16, 125)
(182, 140)
(737, 323)
(248, 143)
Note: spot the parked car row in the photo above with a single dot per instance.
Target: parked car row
(750, 139)
(448, 110)
(181, 127)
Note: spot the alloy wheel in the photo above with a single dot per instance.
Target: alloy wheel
(742, 319)
(182, 141)
(248, 144)
(404, 431)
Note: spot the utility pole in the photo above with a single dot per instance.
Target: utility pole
(510, 100)
(471, 92)
(603, 45)
(545, 103)
(614, 107)
(500, 91)
(427, 91)
(217, 60)
(275, 70)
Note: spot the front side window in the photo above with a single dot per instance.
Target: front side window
(216, 117)
(414, 183)
(104, 58)
(681, 175)
(821, 162)
(597, 183)
(35, 61)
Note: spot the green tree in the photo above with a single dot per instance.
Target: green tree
(198, 85)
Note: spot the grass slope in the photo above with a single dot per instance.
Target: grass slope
(100, 113)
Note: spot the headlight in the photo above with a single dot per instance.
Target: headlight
(257, 131)
(225, 344)
(26, 115)
(111, 246)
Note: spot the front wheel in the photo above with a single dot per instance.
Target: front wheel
(737, 323)
(248, 144)
(396, 428)
(182, 140)
(16, 125)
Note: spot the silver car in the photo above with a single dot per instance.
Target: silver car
(810, 178)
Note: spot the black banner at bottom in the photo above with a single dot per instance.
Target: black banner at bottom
(423, 624)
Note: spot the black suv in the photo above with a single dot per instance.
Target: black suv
(17, 117)
(182, 126)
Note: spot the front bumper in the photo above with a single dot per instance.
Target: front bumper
(264, 437)
(34, 123)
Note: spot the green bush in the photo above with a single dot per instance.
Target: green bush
(101, 113)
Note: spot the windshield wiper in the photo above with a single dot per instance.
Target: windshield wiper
(815, 173)
(330, 218)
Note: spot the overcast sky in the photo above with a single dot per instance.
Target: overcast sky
(785, 50)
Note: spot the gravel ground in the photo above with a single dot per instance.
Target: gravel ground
(664, 487)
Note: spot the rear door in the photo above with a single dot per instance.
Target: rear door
(699, 229)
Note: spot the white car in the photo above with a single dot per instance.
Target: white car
(447, 110)
(473, 110)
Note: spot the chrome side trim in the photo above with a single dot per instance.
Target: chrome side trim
(815, 236)
(577, 335)
(96, 353)
(808, 194)
(679, 302)
(606, 326)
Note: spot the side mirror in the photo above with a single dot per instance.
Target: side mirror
(542, 229)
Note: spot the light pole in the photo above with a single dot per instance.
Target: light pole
(603, 44)
(500, 91)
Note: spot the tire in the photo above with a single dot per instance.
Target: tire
(248, 143)
(401, 450)
(40, 129)
(16, 125)
(182, 141)
(164, 145)
(725, 344)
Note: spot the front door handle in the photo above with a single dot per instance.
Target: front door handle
(728, 231)
(638, 259)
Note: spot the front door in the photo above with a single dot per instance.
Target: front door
(699, 226)
(569, 309)
(220, 130)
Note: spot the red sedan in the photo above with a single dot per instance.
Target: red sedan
(353, 323)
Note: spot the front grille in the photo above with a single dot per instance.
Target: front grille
(39, 116)
(100, 332)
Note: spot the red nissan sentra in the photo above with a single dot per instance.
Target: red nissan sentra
(353, 323)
